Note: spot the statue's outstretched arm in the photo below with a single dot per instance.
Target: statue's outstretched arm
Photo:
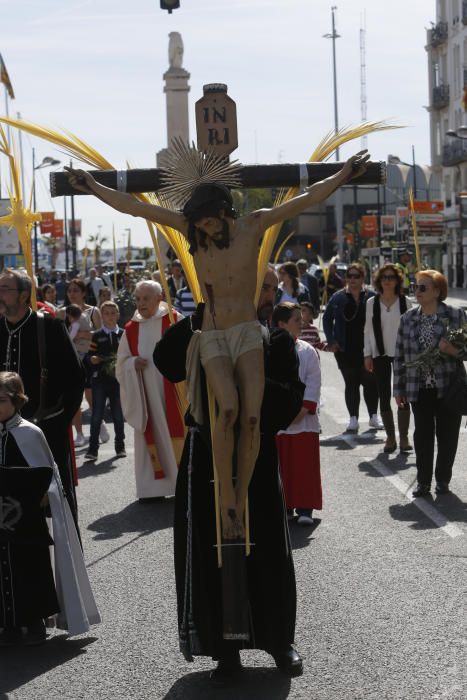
(355, 166)
(126, 203)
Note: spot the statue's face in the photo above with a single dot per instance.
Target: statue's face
(210, 225)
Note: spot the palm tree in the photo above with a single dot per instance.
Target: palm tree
(97, 241)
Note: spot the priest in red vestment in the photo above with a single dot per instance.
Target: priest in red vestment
(149, 402)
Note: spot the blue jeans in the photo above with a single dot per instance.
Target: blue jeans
(104, 388)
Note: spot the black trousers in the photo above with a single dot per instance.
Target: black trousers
(355, 374)
(382, 369)
(432, 418)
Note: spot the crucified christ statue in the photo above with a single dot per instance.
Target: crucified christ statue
(225, 253)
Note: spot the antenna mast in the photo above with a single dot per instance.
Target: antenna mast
(364, 140)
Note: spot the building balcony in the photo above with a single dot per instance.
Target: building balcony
(440, 96)
(465, 76)
(439, 34)
(455, 152)
(464, 11)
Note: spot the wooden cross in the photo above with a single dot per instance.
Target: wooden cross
(216, 125)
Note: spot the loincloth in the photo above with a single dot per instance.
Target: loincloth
(231, 342)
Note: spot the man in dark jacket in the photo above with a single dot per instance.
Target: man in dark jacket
(311, 283)
(270, 573)
(53, 401)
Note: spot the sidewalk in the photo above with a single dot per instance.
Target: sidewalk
(457, 297)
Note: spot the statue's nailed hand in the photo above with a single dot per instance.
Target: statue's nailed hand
(356, 165)
(80, 180)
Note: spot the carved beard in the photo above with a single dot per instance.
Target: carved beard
(222, 239)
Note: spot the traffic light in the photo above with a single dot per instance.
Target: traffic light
(170, 5)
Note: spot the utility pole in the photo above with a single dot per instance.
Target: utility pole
(338, 207)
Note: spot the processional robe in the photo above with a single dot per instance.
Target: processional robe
(149, 405)
(28, 588)
(270, 572)
(19, 352)
(298, 446)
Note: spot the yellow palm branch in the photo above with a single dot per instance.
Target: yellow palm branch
(324, 150)
(21, 218)
(75, 147)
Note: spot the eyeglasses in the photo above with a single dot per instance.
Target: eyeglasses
(388, 278)
(421, 287)
(353, 276)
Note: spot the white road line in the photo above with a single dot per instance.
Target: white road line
(421, 503)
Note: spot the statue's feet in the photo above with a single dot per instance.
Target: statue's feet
(232, 525)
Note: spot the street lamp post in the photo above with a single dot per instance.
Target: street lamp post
(47, 162)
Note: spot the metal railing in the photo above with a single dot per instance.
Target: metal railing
(440, 97)
(455, 152)
(439, 34)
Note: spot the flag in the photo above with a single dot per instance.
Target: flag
(58, 228)
(47, 222)
(5, 78)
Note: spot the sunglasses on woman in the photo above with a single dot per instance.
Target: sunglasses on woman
(353, 276)
(388, 278)
(421, 287)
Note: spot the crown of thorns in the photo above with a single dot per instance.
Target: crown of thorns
(187, 168)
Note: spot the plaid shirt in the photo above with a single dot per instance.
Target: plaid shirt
(408, 380)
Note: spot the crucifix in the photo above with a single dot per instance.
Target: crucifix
(225, 254)
(224, 249)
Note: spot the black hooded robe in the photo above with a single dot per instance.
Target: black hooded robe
(270, 570)
(65, 384)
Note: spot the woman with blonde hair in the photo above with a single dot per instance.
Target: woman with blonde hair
(383, 314)
(424, 380)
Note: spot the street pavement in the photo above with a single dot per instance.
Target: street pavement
(381, 588)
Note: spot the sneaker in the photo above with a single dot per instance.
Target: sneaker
(305, 520)
(104, 433)
(376, 422)
(353, 425)
(80, 440)
(421, 490)
(90, 457)
(120, 453)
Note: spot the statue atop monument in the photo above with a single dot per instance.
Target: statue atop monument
(175, 50)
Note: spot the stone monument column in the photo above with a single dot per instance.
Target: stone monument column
(176, 90)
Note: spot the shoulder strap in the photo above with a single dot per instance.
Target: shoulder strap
(377, 325)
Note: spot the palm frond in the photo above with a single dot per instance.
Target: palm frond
(324, 150)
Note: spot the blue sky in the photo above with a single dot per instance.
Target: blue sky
(95, 67)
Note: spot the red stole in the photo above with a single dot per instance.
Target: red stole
(172, 411)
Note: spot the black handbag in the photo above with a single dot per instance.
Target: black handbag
(455, 398)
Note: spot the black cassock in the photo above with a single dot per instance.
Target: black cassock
(27, 587)
(19, 352)
(270, 571)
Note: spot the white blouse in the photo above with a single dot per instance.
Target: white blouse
(309, 371)
(390, 320)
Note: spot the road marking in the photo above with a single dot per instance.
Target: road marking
(395, 480)
(364, 440)
(421, 503)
